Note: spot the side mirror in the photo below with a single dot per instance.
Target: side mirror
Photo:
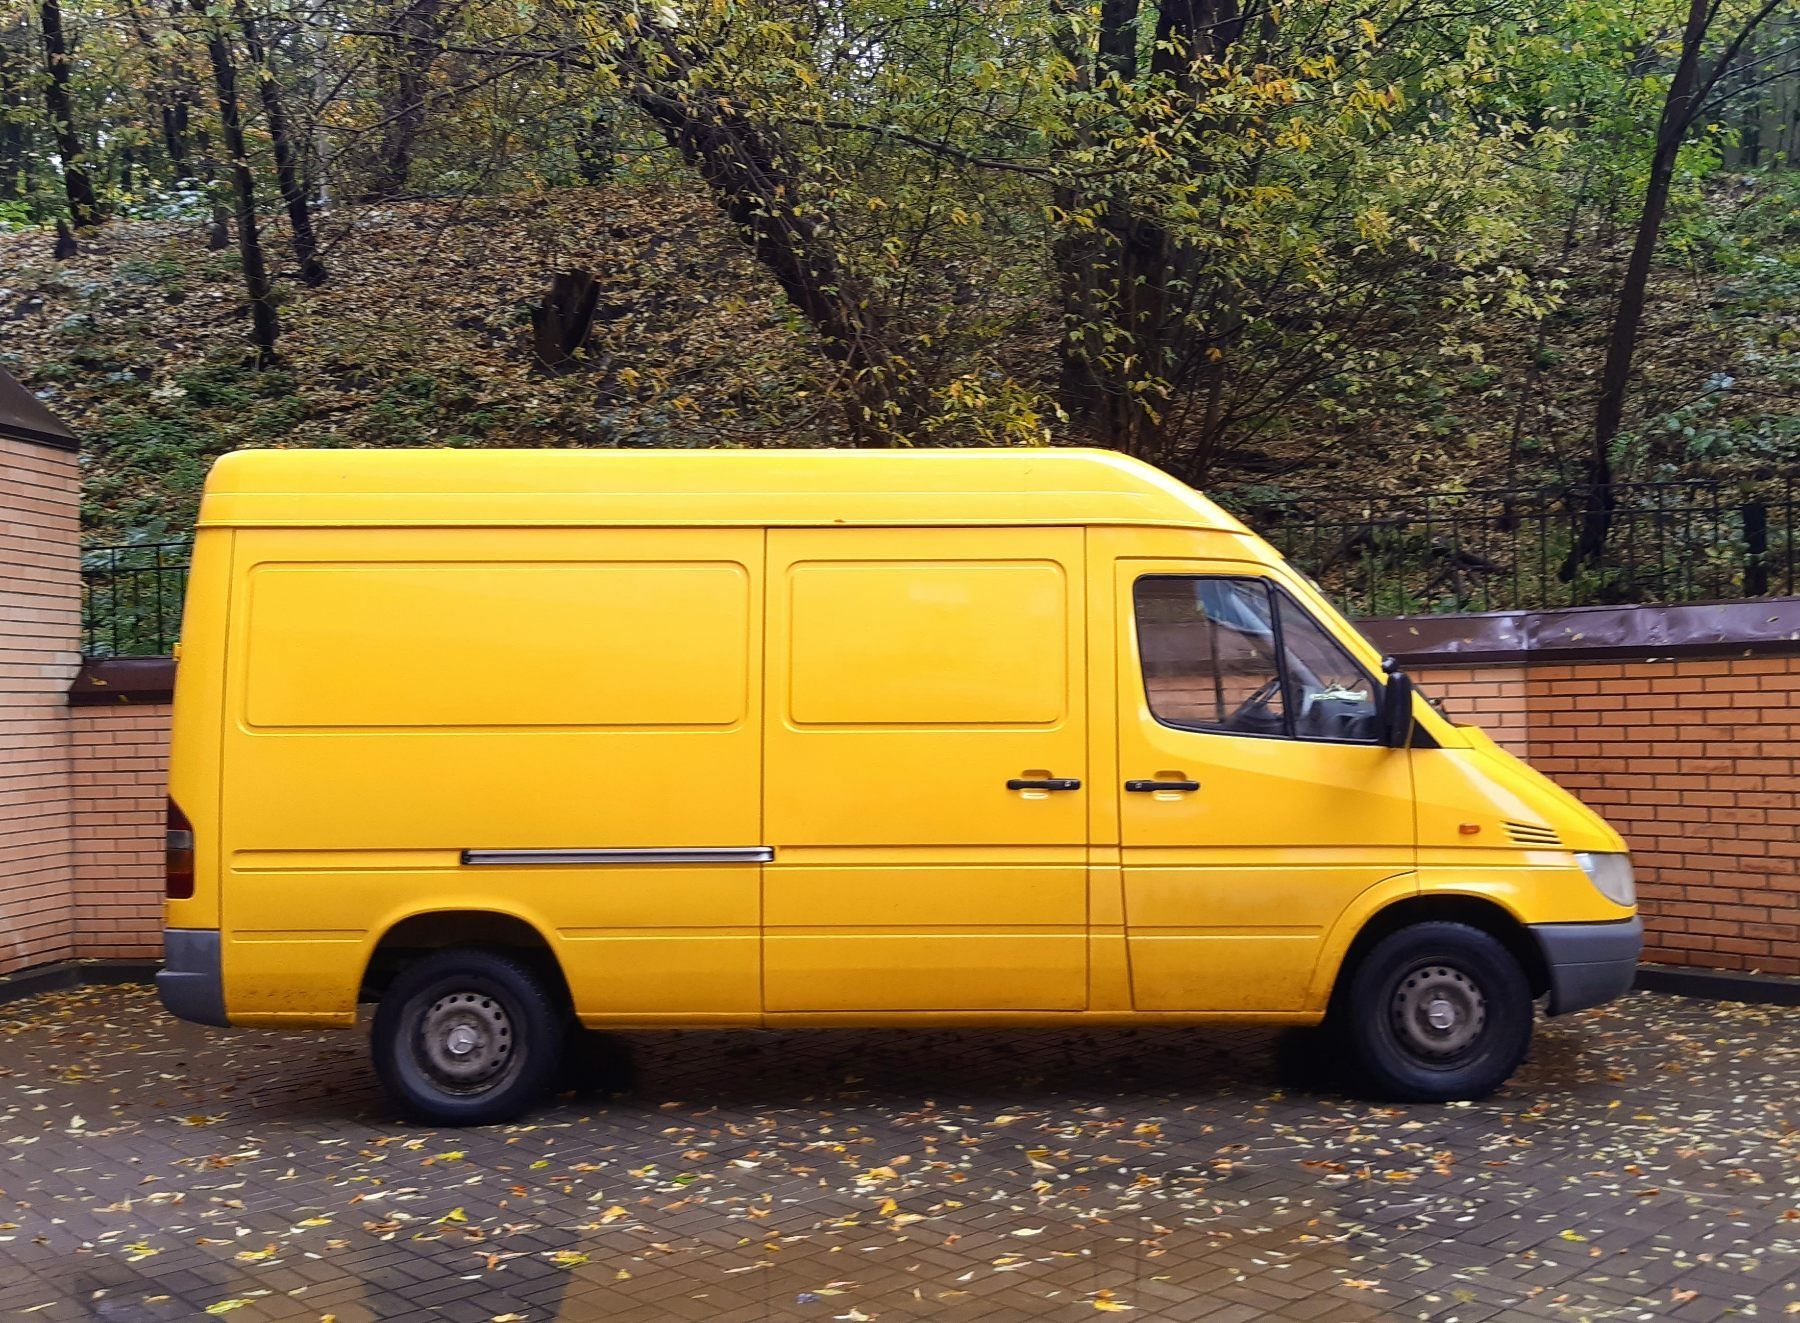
(1396, 708)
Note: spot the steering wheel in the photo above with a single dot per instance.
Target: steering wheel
(1254, 706)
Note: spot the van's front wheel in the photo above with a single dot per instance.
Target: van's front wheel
(1437, 1012)
(467, 1037)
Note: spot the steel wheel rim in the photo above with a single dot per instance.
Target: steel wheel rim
(465, 1043)
(1438, 1012)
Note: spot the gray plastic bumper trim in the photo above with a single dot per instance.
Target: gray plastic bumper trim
(191, 983)
(1589, 963)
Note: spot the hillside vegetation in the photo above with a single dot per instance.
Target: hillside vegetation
(1316, 248)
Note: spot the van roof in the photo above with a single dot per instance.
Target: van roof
(368, 488)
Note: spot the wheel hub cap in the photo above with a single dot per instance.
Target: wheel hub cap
(465, 1040)
(1438, 1011)
(462, 1040)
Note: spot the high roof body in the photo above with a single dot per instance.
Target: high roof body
(547, 488)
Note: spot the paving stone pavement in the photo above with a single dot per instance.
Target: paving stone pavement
(1645, 1164)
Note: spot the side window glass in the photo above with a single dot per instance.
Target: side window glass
(1332, 698)
(1207, 647)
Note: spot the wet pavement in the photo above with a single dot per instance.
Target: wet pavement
(1646, 1163)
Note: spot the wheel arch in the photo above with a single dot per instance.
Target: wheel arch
(410, 937)
(1479, 912)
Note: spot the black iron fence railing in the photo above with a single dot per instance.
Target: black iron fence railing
(1517, 549)
(131, 598)
(1375, 555)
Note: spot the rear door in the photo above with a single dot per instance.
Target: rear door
(557, 724)
(926, 771)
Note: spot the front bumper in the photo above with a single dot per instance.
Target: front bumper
(191, 983)
(1589, 963)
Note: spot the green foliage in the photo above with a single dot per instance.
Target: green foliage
(1370, 245)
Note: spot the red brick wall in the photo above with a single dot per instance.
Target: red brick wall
(120, 760)
(1492, 697)
(40, 642)
(1697, 763)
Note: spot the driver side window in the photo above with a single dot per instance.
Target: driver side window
(1208, 650)
(1235, 656)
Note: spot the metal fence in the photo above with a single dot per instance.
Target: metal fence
(1374, 555)
(1514, 549)
(131, 598)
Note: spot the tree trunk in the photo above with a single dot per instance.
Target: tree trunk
(749, 173)
(15, 157)
(1126, 347)
(561, 323)
(174, 116)
(83, 208)
(265, 326)
(171, 98)
(596, 151)
(218, 225)
(1599, 498)
(287, 173)
(1687, 96)
(419, 27)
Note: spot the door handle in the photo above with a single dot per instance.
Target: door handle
(1151, 787)
(1047, 783)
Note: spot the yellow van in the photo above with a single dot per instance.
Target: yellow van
(516, 742)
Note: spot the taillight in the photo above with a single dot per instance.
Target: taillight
(178, 855)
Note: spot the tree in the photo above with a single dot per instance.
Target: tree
(759, 183)
(15, 92)
(1689, 89)
(418, 27)
(1257, 203)
(265, 325)
(84, 209)
(167, 92)
(281, 142)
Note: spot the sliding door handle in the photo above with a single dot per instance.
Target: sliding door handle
(1047, 783)
(1151, 787)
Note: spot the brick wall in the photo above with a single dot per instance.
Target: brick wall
(40, 641)
(120, 762)
(1697, 763)
(1492, 697)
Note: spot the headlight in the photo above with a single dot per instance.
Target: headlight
(1611, 875)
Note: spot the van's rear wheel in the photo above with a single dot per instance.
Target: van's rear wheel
(467, 1037)
(1436, 1012)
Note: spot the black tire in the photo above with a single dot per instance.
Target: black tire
(1436, 1012)
(467, 1037)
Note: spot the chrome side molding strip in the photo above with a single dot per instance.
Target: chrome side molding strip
(702, 854)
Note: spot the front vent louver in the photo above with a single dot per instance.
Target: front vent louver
(1532, 834)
